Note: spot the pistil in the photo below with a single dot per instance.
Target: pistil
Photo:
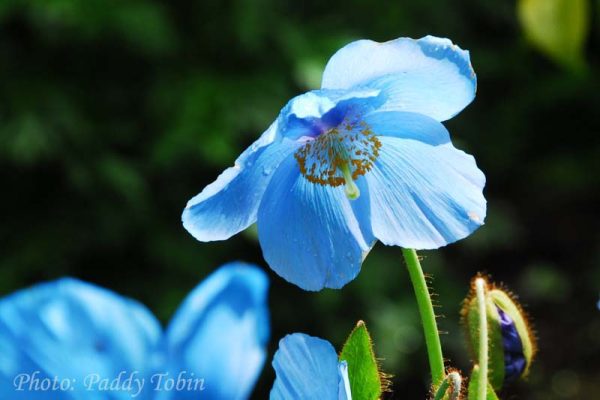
(352, 191)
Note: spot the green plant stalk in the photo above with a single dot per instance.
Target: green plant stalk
(482, 381)
(432, 336)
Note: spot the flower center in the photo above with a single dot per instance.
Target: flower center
(339, 156)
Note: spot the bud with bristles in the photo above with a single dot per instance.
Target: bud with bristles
(511, 342)
(451, 388)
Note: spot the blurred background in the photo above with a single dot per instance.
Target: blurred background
(114, 113)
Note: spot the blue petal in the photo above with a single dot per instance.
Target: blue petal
(219, 334)
(429, 76)
(344, 391)
(317, 111)
(311, 234)
(514, 358)
(408, 125)
(306, 368)
(70, 329)
(424, 196)
(229, 205)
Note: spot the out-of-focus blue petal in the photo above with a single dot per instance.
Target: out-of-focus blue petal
(219, 334)
(424, 196)
(306, 368)
(70, 329)
(310, 234)
(408, 125)
(430, 76)
(317, 111)
(344, 382)
(229, 205)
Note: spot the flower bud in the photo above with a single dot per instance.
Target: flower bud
(511, 343)
(451, 388)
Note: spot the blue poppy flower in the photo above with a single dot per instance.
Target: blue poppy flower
(307, 368)
(99, 345)
(364, 158)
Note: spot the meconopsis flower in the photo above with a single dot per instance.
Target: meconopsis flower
(307, 368)
(364, 158)
(69, 339)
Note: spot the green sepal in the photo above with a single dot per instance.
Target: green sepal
(363, 371)
(496, 345)
(506, 303)
(472, 393)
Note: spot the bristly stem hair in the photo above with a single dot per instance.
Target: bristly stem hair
(432, 336)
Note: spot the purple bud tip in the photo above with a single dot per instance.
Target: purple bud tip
(514, 358)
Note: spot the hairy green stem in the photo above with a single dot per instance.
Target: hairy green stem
(432, 336)
(482, 381)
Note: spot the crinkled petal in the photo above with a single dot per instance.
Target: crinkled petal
(229, 204)
(220, 333)
(408, 125)
(306, 368)
(424, 196)
(430, 76)
(311, 234)
(74, 330)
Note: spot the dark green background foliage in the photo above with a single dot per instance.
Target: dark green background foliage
(114, 113)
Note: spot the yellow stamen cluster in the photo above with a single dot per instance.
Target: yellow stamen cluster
(346, 151)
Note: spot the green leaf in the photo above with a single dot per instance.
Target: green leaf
(363, 372)
(491, 395)
(558, 28)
